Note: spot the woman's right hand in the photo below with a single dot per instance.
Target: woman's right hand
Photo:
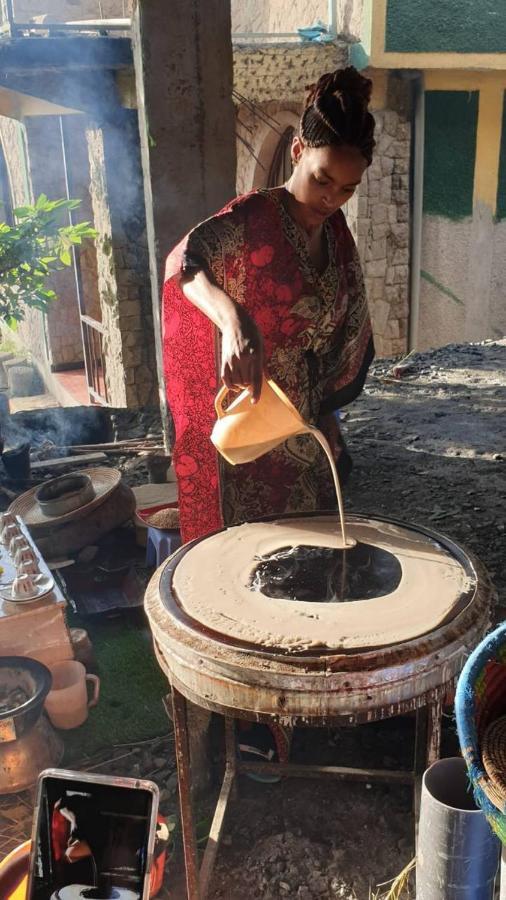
(242, 354)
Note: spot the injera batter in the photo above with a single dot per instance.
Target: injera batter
(211, 582)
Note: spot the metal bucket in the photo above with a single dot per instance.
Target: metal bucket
(458, 854)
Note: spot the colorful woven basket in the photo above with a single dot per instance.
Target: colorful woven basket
(480, 705)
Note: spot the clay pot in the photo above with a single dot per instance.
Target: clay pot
(64, 494)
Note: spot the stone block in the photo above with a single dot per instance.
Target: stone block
(363, 207)
(400, 257)
(374, 190)
(379, 249)
(128, 308)
(401, 166)
(386, 189)
(392, 293)
(401, 274)
(400, 233)
(376, 268)
(390, 122)
(385, 146)
(392, 329)
(400, 195)
(403, 132)
(378, 213)
(401, 150)
(403, 213)
(380, 231)
(375, 288)
(392, 213)
(363, 227)
(387, 165)
(132, 356)
(381, 312)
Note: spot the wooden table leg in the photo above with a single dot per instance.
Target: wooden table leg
(182, 748)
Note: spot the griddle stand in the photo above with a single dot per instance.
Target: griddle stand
(426, 751)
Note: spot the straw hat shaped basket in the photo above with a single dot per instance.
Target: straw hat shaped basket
(480, 706)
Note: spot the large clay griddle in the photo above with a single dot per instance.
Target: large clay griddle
(211, 586)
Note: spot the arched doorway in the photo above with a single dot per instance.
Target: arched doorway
(281, 165)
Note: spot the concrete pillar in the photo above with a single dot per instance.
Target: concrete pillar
(122, 259)
(183, 68)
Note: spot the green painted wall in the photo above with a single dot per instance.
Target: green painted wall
(501, 186)
(451, 26)
(450, 151)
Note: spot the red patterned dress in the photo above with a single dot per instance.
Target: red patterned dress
(318, 347)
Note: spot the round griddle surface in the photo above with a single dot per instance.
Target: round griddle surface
(207, 587)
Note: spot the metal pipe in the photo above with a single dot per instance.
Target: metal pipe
(458, 853)
(332, 17)
(418, 142)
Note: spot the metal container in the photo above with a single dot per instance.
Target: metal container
(458, 853)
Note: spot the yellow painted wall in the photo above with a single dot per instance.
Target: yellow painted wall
(491, 87)
(379, 58)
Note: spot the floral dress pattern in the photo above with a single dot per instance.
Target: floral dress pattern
(318, 347)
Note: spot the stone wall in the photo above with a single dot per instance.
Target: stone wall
(378, 216)
(282, 72)
(122, 262)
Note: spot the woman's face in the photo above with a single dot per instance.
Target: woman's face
(324, 178)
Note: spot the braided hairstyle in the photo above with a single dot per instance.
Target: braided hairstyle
(337, 112)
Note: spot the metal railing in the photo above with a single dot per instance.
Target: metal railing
(94, 359)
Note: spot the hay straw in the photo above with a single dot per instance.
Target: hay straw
(399, 887)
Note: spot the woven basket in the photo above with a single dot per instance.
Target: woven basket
(480, 707)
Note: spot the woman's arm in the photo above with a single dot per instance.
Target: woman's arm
(242, 354)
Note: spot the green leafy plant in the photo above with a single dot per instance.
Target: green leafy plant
(31, 249)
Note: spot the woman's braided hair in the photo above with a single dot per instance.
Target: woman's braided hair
(337, 112)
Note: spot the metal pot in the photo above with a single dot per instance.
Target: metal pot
(34, 679)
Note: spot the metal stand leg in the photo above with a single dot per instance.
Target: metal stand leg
(182, 748)
(434, 725)
(227, 791)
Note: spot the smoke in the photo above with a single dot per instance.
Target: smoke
(60, 426)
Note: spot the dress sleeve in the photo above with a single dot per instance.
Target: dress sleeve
(343, 369)
(207, 245)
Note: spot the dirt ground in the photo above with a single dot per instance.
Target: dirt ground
(430, 448)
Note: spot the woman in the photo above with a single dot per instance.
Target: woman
(277, 274)
(273, 283)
